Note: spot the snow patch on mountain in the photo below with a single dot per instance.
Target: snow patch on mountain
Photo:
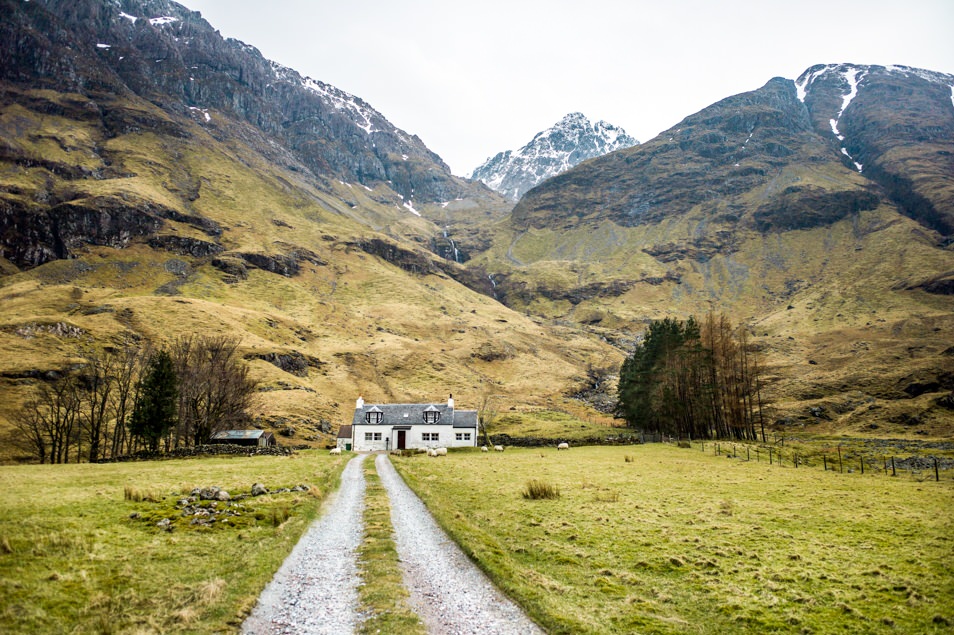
(569, 142)
(851, 76)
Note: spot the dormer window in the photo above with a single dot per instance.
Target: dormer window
(374, 415)
(431, 415)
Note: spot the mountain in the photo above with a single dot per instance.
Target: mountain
(566, 144)
(817, 211)
(168, 56)
(157, 180)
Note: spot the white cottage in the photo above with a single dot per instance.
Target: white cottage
(409, 426)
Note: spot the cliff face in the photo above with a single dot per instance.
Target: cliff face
(876, 133)
(170, 56)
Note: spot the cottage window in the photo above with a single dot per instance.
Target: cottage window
(432, 415)
(374, 416)
(368, 436)
(463, 436)
(430, 436)
(377, 436)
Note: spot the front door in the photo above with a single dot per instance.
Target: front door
(401, 437)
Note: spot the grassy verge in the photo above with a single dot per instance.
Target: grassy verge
(659, 539)
(383, 596)
(81, 549)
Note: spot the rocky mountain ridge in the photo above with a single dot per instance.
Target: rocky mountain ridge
(160, 179)
(162, 51)
(553, 151)
(817, 211)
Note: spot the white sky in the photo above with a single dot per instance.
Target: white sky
(473, 78)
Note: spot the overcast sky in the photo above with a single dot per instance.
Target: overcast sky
(477, 77)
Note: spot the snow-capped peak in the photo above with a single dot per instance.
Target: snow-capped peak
(361, 113)
(567, 143)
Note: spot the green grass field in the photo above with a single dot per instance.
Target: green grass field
(72, 559)
(658, 539)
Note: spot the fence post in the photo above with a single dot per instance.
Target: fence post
(885, 459)
(770, 456)
(937, 476)
(795, 460)
(748, 456)
(893, 473)
(825, 461)
(862, 465)
(841, 466)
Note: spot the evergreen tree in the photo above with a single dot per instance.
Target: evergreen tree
(154, 412)
(688, 380)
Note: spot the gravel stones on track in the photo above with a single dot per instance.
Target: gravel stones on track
(448, 592)
(315, 590)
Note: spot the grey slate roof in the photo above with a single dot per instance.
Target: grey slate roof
(232, 435)
(406, 414)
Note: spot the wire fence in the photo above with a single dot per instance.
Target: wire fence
(834, 459)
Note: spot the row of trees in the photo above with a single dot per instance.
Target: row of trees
(693, 381)
(122, 400)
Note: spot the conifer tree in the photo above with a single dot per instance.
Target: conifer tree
(154, 413)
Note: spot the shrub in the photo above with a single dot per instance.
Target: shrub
(539, 490)
(138, 495)
(611, 496)
(280, 515)
(684, 444)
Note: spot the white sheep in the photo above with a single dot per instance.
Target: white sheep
(563, 446)
(498, 448)
(483, 448)
(441, 451)
(431, 452)
(335, 451)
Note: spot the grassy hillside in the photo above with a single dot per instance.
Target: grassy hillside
(743, 209)
(224, 210)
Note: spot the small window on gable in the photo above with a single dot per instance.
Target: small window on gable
(431, 415)
(374, 415)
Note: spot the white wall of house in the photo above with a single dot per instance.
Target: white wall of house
(373, 437)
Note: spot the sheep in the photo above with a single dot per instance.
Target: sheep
(335, 451)
(563, 446)
(431, 452)
(441, 451)
(483, 448)
(498, 448)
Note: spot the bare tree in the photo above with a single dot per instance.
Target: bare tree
(487, 413)
(59, 410)
(130, 362)
(98, 381)
(29, 430)
(215, 389)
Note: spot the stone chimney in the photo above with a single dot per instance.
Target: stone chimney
(450, 401)
(359, 404)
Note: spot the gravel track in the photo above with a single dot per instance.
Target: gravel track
(448, 592)
(315, 590)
